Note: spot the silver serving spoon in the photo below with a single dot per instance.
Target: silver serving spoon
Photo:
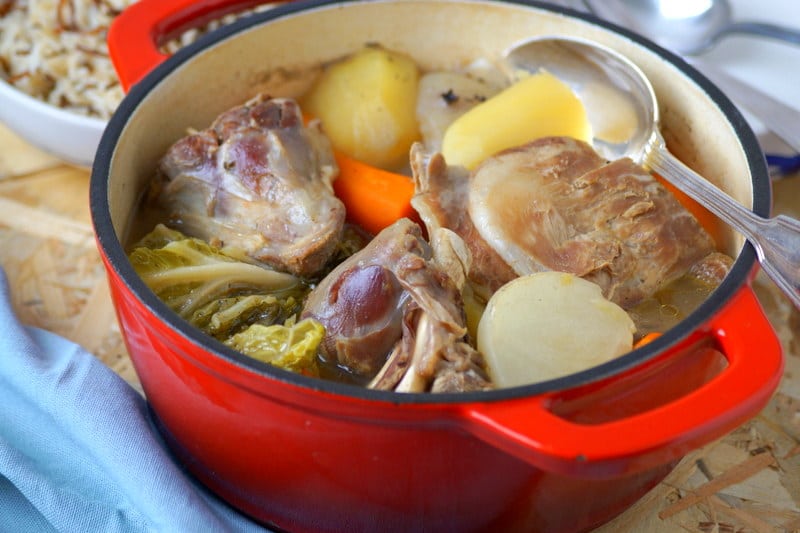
(624, 114)
(688, 27)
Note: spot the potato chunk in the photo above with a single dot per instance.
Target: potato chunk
(539, 105)
(550, 324)
(367, 104)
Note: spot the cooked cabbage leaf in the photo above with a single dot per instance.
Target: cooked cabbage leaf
(227, 316)
(215, 292)
(292, 346)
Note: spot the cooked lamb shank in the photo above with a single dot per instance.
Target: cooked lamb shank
(393, 313)
(554, 204)
(257, 181)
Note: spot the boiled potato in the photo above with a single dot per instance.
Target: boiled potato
(367, 105)
(550, 324)
(539, 105)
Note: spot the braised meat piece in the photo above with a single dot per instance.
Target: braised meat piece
(393, 313)
(257, 181)
(712, 269)
(613, 224)
(555, 204)
(441, 199)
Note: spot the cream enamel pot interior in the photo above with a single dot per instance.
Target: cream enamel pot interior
(308, 455)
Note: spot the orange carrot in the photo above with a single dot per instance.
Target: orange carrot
(650, 337)
(374, 198)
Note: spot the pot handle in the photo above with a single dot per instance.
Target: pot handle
(136, 34)
(530, 431)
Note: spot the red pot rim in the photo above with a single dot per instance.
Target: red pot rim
(114, 253)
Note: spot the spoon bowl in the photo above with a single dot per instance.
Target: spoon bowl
(623, 111)
(619, 100)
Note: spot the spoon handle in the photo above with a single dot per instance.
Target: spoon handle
(773, 31)
(776, 240)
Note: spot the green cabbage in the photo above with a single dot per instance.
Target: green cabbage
(227, 316)
(291, 346)
(241, 304)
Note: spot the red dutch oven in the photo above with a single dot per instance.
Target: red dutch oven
(302, 454)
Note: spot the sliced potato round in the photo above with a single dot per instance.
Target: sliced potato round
(550, 324)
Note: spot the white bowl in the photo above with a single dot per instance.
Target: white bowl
(66, 135)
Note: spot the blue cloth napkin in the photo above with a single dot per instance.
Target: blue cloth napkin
(78, 448)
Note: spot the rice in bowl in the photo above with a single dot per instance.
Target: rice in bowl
(55, 50)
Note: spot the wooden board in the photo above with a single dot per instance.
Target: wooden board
(748, 481)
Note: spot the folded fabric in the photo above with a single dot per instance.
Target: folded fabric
(79, 450)
(783, 165)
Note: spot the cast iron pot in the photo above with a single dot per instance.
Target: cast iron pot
(302, 454)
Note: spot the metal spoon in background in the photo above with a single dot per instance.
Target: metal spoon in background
(688, 27)
(691, 26)
(624, 114)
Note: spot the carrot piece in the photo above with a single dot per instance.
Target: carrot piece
(650, 337)
(374, 198)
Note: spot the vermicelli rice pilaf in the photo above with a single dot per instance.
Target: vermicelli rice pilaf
(55, 50)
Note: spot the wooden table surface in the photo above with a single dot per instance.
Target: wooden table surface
(747, 481)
